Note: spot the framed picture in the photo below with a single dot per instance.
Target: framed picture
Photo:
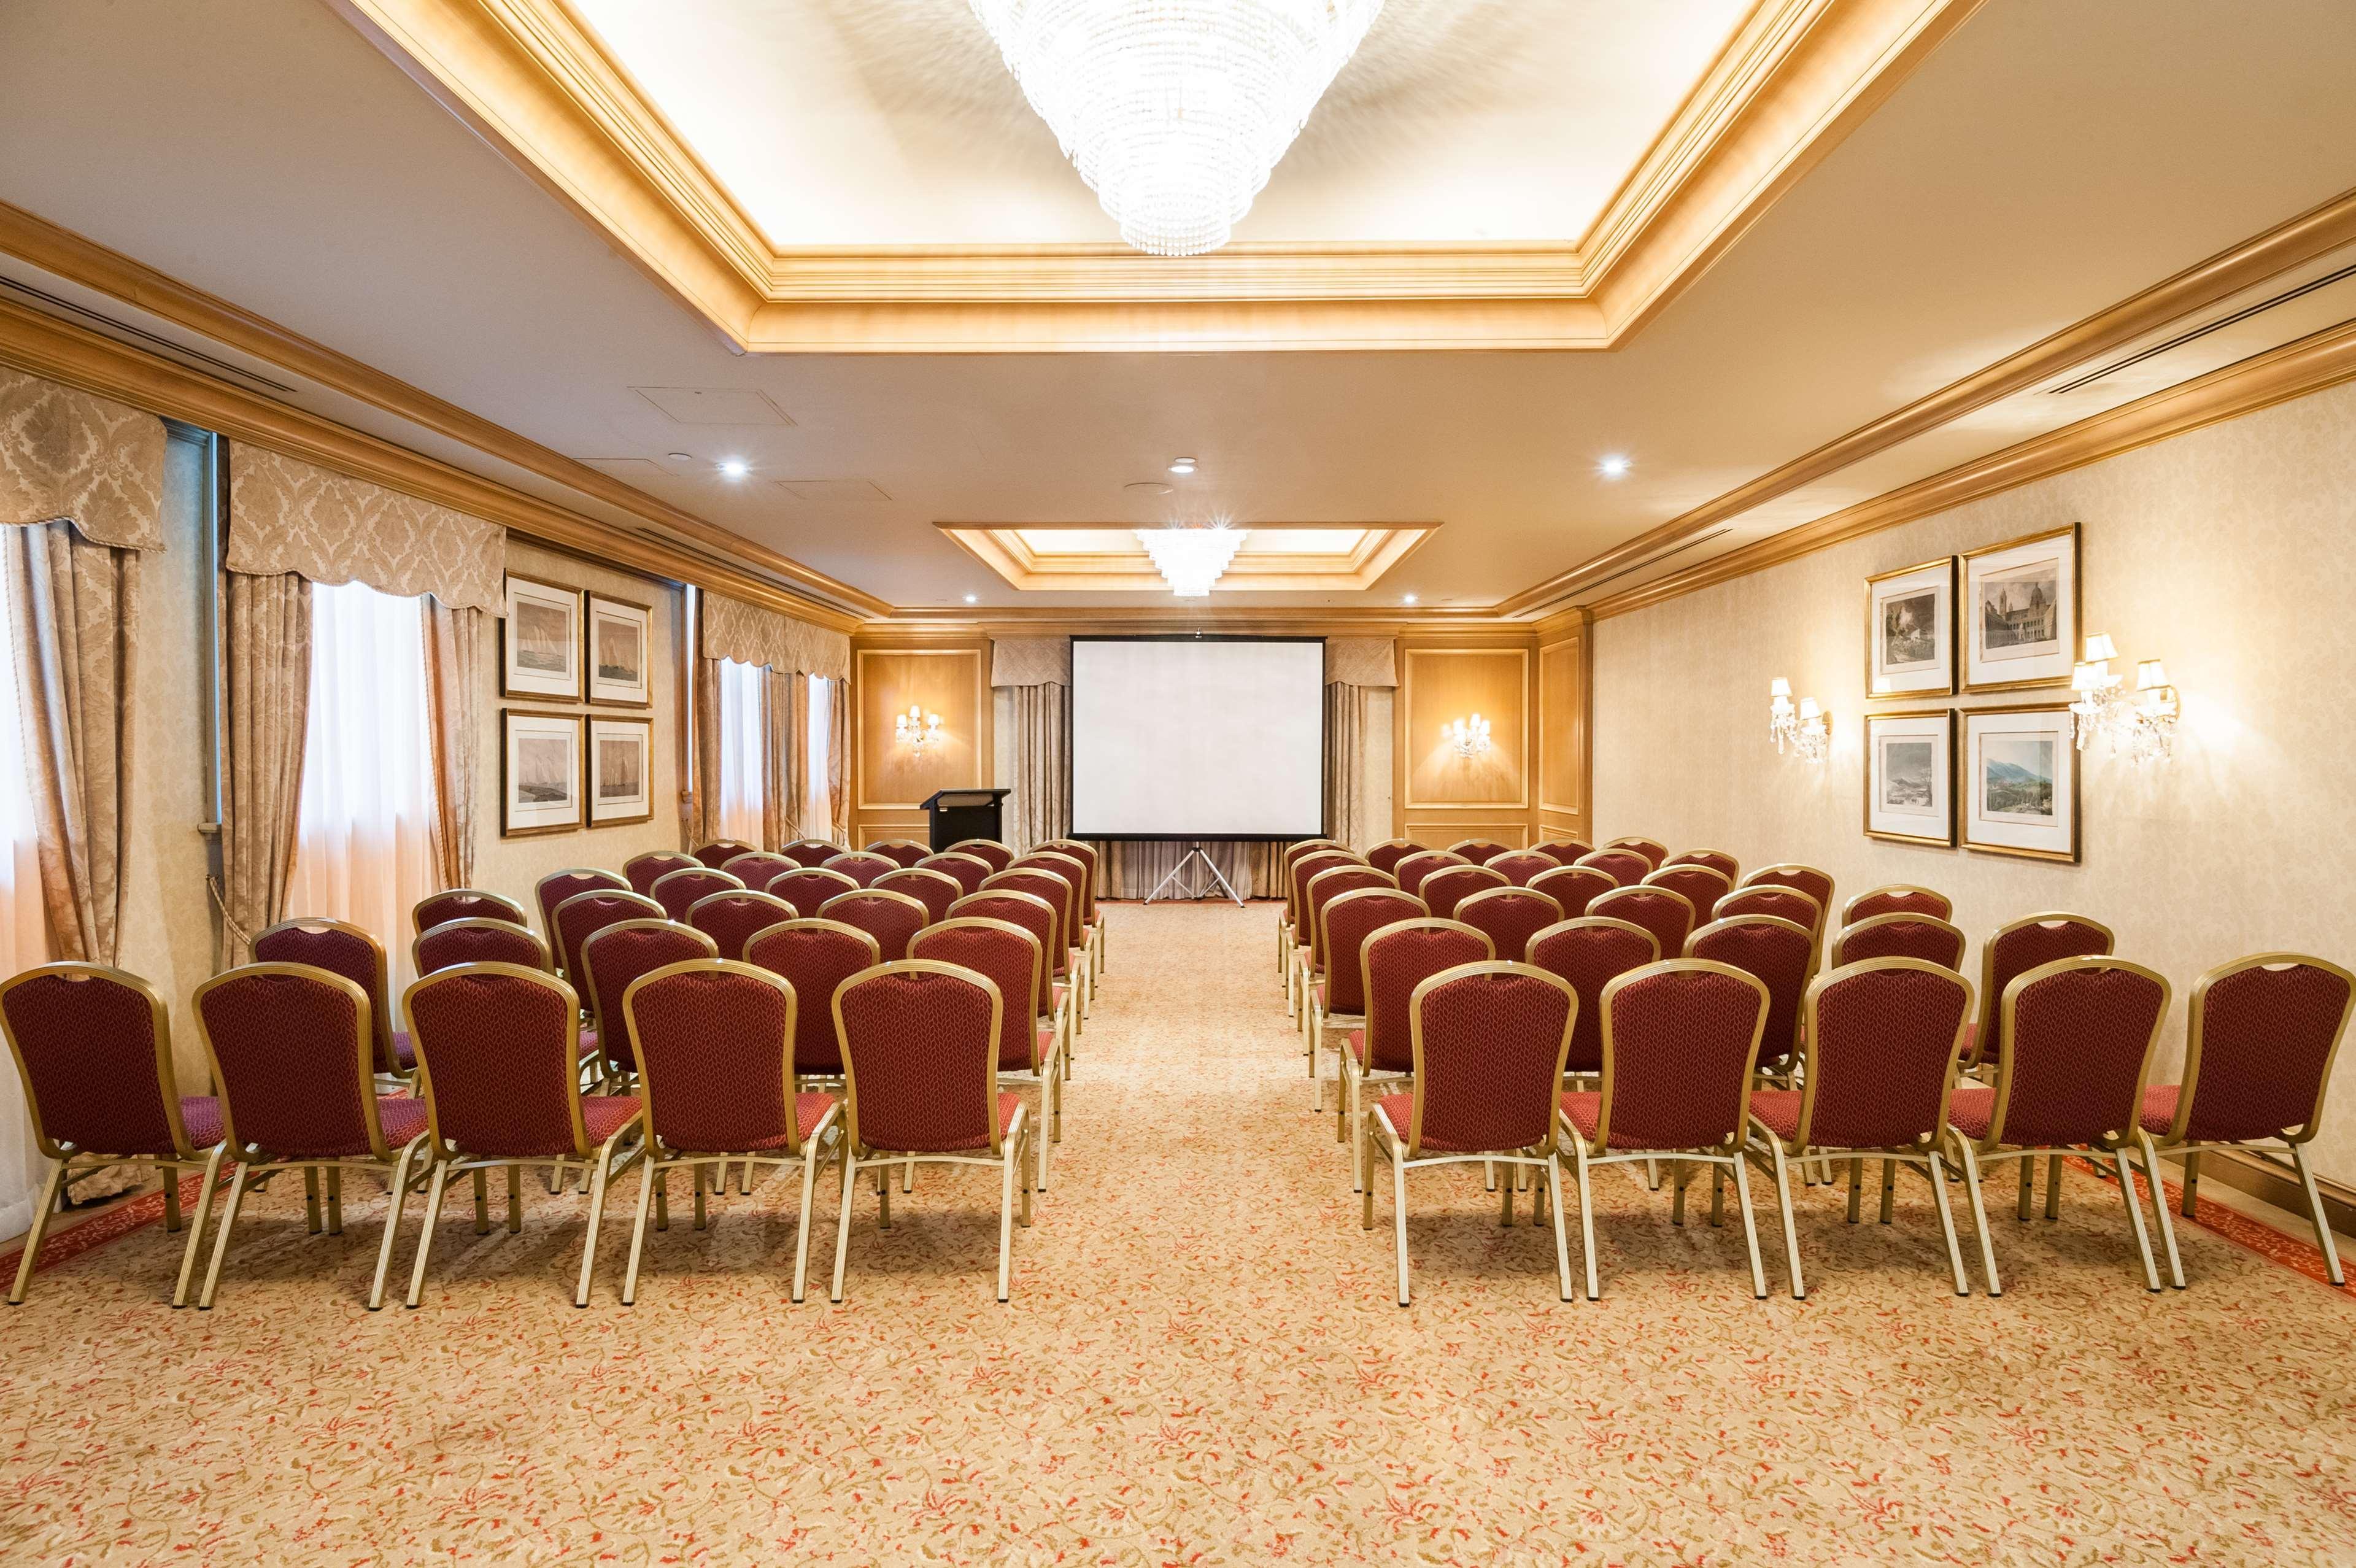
(1909, 772)
(616, 635)
(1910, 648)
(2020, 783)
(539, 641)
(2021, 613)
(540, 773)
(621, 759)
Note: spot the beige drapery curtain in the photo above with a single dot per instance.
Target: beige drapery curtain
(785, 799)
(790, 649)
(704, 821)
(838, 758)
(453, 645)
(1041, 807)
(1355, 667)
(266, 666)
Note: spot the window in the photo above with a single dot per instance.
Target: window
(741, 732)
(24, 933)
(819, 821)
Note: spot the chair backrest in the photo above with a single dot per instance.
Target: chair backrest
(809, 889)
(558, 886)
(720, 852)
(1566, 852)
(810, 852)
(936, 890)
(1680, 1043)
(2260, 1035)
(1881, 1039)
(1489, 1041)
(814, 957)
(1716, 859)
(611, 956)
(1300, 871)
(1665, 914)
(755, 867)
(1925, 937)
(1347, 921)
(1397, 958)
(1413, 868)
(1652, 850)
(339, 948)
(454, 942)
(899, 851)
(919, 1044)
(1590, 952)
(1816, 884)
(1518, 866)
(677, 891)
(498, 1059)
(1780, 955)
(1288, 853)
(584, 913)
(2023, 944)
(990, 852)
(1896, 899)
(1509, 917)
(1625, 866)
(1574, 888)
(2074, 1042)
(1075, 875)
(1034, 914)
(731, 917)
(716, 1043)
(94, 1047)
(1451, 885)
(862, 867)
(1480, 851)
(1091, 863)
(967, 871)
(1783, 903)
(1322, 889)
(1701, 885)
(642, 870)
(889, 917)
(1049, 889)
(1385, 855)
(464, 903)
(1011, 957)
(293, 1059)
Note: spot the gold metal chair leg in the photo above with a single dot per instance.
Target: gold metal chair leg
(172, 1199)
(1888, 1188)
(220, 1238)
(650, 1183)
(1783, 1207)
(515, 1201)
(311, 1198)
(1750, 1224)
(1561, 1241)
(1979, 1215)
(1399, 1217)
(211, 1179)
(42, 1210)
(434, 1191)
(334, 1200)
(2053, 1185)
(843, 1221)
(1586, 1220)
(2028, 1163)
(482, 1202)
(2159, 1208)
(597, 1179)
(2135, 1216)
(1948, 1223)
(2316, 1216)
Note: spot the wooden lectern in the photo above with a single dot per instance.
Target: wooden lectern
(956, 815)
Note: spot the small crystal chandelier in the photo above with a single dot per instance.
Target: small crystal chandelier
(917, 729)
(1782, 723)
(1467, 738)
(1192, 559)
(1174, 112)
(1806, 729)
(2142, 727)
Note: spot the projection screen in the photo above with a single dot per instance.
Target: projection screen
(1212, 737)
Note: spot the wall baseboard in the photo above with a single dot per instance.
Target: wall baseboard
(2243, 1174)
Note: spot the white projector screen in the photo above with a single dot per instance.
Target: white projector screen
(1198, 737)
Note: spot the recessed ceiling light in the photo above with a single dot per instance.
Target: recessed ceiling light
(973, 599)
(1182, 465)
(1407, 598)
(682, 457)
(734, 468)
(1613, 466)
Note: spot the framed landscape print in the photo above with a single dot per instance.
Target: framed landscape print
(1910, 771)
(621, 758)
(1911, 632)
(540, 773)
(539, 641)
(615, 643)
(2021, 613)
(2020, 783)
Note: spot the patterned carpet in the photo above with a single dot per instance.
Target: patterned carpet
(1203, 1364)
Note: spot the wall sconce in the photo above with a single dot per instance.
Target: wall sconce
(2155, 711)
(1782, 725)
(1815, 740)
(917, 729)
(1805, 728)
(1467, 738)
(2143, 725)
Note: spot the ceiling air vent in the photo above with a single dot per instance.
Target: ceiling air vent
(180, 352)
(2197, 333)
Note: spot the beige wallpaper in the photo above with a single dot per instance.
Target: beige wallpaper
(2224, 552)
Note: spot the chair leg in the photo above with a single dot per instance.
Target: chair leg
(1947, 1223)
(395, 1203)
(1014, 1157)
(311, 1198)
(197, 1233)
(1718, 1195)
(1783, 1204)
(1044, 1123)
(2159, 1208)
(47, 1207)
(2135, 1216)
(2192, 1186)
(1561, 1241)
(1979, 1215)
(650, 1183)
(334, 1200)
(1316, 1049)
(172, 1199)
(1750, 1224)
(2053, 1187)
(1587, 1221)
(605, 1157)
(515, 1202)
(220, 1238)
(2028, 1163)
(662, 1198)
(812, 1159)
(843, 1223)
(2316, 1216)
(702, 1180)
(482, 1202)
(434, 1191)
(1361, 1155)
(1888, 1188)
(1398, 1218)
(1856, 1189)
(1504, 1190)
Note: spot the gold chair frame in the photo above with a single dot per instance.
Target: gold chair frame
(1349, 1096)
(1046, 1075)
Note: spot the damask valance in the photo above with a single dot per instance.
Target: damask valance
(73, 456)
(1031, 661)
(1361, 662)
(749, 634)
(287, 515)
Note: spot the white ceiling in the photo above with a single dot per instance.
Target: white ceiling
(2051, 159)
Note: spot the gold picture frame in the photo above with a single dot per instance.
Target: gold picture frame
(1890, 810)
(540, 657)
(1894, 609)
(601, 762)
(523, 775)
(2017, 612)
(616, 673)
(2039, 738)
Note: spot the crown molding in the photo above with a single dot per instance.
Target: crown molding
(538, 84)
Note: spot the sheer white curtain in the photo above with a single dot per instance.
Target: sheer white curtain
(24, 937)
(364, 848)
(741, 736)
(819, 821)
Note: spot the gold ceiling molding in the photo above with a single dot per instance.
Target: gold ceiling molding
(1004, 549)
(538, 83)
(1213, 620)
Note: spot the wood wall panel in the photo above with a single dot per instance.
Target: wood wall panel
(1563, 700)
(1441, 685)
(891, 779)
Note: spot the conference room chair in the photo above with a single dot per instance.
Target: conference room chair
(967, 871)
(715, 1048)
(1518, 866)
(1783, 903)
(1566, 852)
(2017, 948)
(732, 916)
(1029, 1053)
(1680, 1045)
(1053, 1003)
(1700, 886)
(1385, 855)
(1451, 885)
(889, 917)
(454, 942)
(2074, 1044)
(862, 866)
(464, 903)
(1654, 851)
(990, 852)
(809, 889)
(1288, 934)
(1074, 934)
(900, 852)
(584, 914)
(292, 1052)
(1896, 899)
(678, 891)
(1782, 956)
(1590, 952)
(1573, 887)
(1879, 1059)
(1816, 884)
(810, 852)
(919, 1044)
(341, 948)
(93, 1046)
(755, 867)
(1396, 959)
(497, 1046)
(1055, 893)
(610, 958)
(1925, 937)
(2261, 1035)
(720, 852)
(1480, 851)
(1487, 1042)
(642, 871)
(1411, 870)
(1293, 927)
(814, 957)
(1718, 859)
(1339, 1003)
(1509, 917)
(1666, 915)
(936, 890)
(558, 886)
(1091, 918)
(1315, 955)
(1625, 866)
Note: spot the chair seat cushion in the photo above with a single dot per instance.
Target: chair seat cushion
(1584, 1109)
(1318, 991)
(1357, 1043)
(2158, 1116)
(401, 1117)
(588, 1042)
(602, 1115)
(200, 1118)
(1779, 1108)
(1971, 1110)
(1971, 1043)
(403, 1052)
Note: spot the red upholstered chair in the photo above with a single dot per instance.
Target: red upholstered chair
(1052, 1005)
(644, 870)
(1625, 866)
(1385, 855)
(1782, 956)
(2014, 951)
(454, 942)
(1488, 1042)
(2074, 1042)
(1345, 923)
(1718, 859)
(2261, 1035)
(1076, 931)
(677, 891)
(809, 889)
(558, 886)
(464, 903)
(496, 1044)
(341, 948)
(293, 1057)
(920, 1043)
(1288, 932)
(1091, 919)
(1313, 956)
(94, 1047)
(1056, 893)
(990, 852)
(1591, 952)
(1654, 851)
(1566, 852)
(1666, 915)
(1396, 957)
(1896, 899)
(1783, 903)
(863, 868)
(613, 956)
(755, 867)
(1573, 887)
(1300, 864)
(967, 871)
(1412, 870)
(586, 913)
(936, 890)
(1680, 1044)
(810, 852)
(1451, 885)
(732, 917)
(814, 957)
(1518, 866)
(1925, 937)
(1879, 1058)
(1029, 1053)
(1701, 885)
(720, 852)
(1816, 884)
(889, 917)
(1480, 851)
(715, 1044)
(1509, 918)
(899, 851)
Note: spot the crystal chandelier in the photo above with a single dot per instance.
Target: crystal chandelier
(2142, 727)
(1466, 737)
(917, 729)
(1191, 558)
(1175, 111)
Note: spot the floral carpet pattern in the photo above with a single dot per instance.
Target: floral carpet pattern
(1203, 1364)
